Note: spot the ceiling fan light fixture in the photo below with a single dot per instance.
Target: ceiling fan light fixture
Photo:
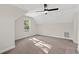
(46, 9)
(45, 12)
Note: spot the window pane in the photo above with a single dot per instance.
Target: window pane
(26, 24)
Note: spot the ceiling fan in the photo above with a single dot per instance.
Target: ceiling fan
(46, 9)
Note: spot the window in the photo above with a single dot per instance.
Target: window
(26, 23)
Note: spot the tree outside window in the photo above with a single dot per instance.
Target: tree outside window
(26, 24)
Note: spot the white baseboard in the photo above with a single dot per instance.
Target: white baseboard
(55, 36)
(18, 38)
(62, 37)
(78, 49)
(75, 41)
(9, 48)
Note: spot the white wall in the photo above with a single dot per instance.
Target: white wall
(75, 22)
(8, 14)
(78, 28)
(78, 31)
(56, 23)
(55, 30)
(53, 24)
(20, 32)
(47, 24)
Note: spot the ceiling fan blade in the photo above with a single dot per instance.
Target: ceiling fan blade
(51, 9)
(39, 11)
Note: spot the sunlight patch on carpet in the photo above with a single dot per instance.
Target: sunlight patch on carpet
(41, 44)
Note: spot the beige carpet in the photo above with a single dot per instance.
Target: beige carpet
(43, 45)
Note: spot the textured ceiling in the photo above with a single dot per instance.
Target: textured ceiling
(63, 15)
(30, 7)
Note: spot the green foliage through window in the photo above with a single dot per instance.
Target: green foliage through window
(26, 24)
